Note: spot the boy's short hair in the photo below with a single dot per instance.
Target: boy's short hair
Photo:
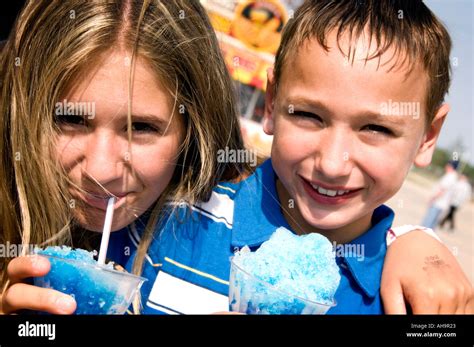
(407, 25)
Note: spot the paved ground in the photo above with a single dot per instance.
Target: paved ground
(410, 205)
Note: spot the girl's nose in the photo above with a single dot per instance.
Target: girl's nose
(104, 158)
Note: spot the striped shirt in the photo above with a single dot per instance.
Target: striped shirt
(187, 264)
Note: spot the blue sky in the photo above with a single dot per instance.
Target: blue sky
(458, 16)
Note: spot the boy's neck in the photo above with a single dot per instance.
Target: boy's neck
(299, 225)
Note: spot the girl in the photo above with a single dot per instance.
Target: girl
(115, 98)
(159, 146)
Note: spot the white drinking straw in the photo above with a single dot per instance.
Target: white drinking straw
(104, 243)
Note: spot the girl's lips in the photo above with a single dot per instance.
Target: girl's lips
(326, 199)
(101, 202)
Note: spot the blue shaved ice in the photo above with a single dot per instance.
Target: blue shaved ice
(288, 274)
(97, 289)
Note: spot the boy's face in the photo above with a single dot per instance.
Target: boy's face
(340, 146)
(94, 149)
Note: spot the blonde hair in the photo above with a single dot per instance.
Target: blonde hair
(176, 40)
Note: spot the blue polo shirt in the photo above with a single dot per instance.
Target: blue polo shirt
(187, 264)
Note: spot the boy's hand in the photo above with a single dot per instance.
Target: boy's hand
(421, 272)
(21, 296)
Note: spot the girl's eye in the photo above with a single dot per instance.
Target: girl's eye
(70, 120)
(144, 127)
(374, 128)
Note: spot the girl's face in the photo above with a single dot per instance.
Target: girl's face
(93, 143)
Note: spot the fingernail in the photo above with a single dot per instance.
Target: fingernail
(65, 304)
(38, 263)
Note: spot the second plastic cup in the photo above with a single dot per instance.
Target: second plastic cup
(96, 289)
(250, 295)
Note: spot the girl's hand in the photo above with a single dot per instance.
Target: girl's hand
(21, 296)
(421, 272)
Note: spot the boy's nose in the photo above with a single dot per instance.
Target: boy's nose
(104, 158)
(333, 160)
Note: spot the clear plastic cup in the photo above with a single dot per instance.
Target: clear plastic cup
(250, 295)
(97, 289)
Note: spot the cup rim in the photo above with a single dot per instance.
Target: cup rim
(101, 267)
(272, 287)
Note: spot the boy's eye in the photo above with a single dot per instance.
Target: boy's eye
(143, 127)
(374, 128)
(307, 115)
(70, 120)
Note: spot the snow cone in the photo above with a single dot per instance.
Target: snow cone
(97, 289)
(288, 274)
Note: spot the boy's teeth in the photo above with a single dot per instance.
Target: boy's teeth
(329, 192)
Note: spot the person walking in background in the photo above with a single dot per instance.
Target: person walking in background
(460, 193)
(441, 199)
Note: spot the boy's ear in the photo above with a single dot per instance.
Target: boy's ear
(269, 102)
(427, 147)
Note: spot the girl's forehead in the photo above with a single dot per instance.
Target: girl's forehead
(106, 86)
(113, 70)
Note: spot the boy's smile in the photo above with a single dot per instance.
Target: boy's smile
(326, 194)
(336, 150)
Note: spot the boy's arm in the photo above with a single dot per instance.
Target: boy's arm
(421, 272)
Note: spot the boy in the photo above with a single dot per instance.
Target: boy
(342, 147)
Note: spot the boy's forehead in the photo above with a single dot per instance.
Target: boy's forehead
(359, 52)
(331, 72)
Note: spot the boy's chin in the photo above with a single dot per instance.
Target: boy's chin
(327, 226)
(333, 220)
